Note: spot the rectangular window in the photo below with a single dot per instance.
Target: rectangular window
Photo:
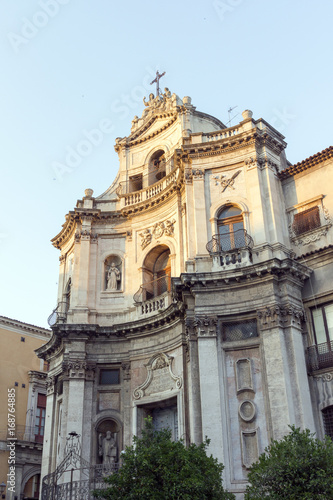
(109, 377)
(322, 318)
(135, 183)
(321, 354)
(40, 418)
(306, 221)
(240, 330)
(328, 421)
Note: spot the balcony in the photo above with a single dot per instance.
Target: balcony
(154, 296)
(22, 433)
(320, 356)
(141, 189)
(231, 249)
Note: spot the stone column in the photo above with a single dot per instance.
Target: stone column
(49, 431)
(126, 403)
(189, 233)
(76, 370)
(200, 218)
(194, 382)
(210, 384)
(87, 411)
(80, 287)
(287, 380)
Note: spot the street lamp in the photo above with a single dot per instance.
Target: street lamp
(2, 489)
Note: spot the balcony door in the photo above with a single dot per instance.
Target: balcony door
(231, 228)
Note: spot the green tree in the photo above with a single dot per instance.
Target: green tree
(297, 467)
(157, 468)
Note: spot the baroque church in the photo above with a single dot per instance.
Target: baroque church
(196, 289)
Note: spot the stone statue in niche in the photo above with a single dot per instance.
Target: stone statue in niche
(107, 448)
(113, 277)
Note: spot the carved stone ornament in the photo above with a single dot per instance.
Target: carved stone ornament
(146, 238)
(126, 367)
(325, 377)
(225, 181)
(247, 410)
(276, 315)
(198, 174)
(77, 368)
(160, 377)
(159, 229)
(161, 103)
(50, 384)
(188, 176)
(85, 235)
(206, 325)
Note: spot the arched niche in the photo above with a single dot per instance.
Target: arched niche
(156, 272)
(113, 273)
(109, 441)
(156, 167)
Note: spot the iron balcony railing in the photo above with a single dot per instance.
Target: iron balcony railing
(152, 289)
(228, 242)
(22, 433)
(320, 356)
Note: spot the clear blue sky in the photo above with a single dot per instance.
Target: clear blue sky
(69, 64)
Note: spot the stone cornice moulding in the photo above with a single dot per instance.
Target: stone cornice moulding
(24, 328)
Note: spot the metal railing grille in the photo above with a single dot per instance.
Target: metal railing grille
(328, 421)
(229, 242)
(152, 289)
(320, 356)
(240, 331)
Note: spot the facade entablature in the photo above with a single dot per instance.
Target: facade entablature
(276, 267)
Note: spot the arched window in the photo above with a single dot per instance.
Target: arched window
(231, 228)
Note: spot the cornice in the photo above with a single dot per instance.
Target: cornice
(116, 332)
(25, 327)
(76, 217)
(67, 231)
(307, 164)
(225, 145)
(200, 282)
(136, 137)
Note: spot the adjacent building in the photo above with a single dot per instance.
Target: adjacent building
(196, 289)
(22, 412)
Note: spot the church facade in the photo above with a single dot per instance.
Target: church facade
(198, 290)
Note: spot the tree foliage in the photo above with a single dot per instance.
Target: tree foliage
(156, 467)
(297, 467)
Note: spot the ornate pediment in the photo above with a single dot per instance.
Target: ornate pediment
(160, 377)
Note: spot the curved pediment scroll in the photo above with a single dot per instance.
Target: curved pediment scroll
(160, 377)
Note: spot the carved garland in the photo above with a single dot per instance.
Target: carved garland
(159, 229)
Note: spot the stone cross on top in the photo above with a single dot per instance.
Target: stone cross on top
(157, 81)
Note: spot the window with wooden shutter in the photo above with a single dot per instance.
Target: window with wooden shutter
(306, 221)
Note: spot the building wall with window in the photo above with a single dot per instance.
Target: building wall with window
(196, 289)
(23, 377)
